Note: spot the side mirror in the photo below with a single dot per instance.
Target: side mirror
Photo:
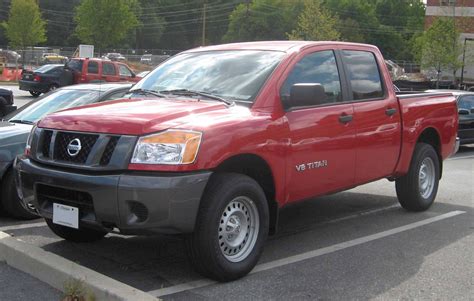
(463, 112)
(134, 75)
(306, 94)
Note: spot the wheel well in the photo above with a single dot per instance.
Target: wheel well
(430, 136)
(259, 170)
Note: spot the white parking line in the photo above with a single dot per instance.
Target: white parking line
(461, 157)
(307, 255)
(22, 226)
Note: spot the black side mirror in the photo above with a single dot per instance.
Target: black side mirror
(305, 94)
(134, 75)
(463, 112)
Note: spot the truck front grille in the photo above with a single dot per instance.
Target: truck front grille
(46, 143)
(91, 151)
(63, 139)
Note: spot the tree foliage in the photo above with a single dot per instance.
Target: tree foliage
(105, 23)
(315, 23)
(25, 26)
(263, 20)
(439, 46)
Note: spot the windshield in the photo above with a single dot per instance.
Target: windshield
(466, 102)
(46, 68)
(234, 75)
(59, 100)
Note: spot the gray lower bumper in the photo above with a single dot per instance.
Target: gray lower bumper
(456, 146)
(133, 202)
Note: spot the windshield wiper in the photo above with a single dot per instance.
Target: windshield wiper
(147, 92)
(21, 121)
(199, 93)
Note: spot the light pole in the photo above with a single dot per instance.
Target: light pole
(463, 59)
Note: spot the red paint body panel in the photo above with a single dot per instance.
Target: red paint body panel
(372, 146)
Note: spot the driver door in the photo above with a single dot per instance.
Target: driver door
(322, 153)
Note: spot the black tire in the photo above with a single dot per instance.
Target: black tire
(53, 87)
(35, 93)
(204, 245)
(410, 193)
(11, 203)
(76, 235)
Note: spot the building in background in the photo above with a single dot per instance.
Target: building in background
(463, 12)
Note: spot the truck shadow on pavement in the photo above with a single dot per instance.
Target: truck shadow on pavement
(359, 272)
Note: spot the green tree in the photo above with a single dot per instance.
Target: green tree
(151, 25)
(24, 26)
(440, 47)
(105, 23)
(316, 23)
(263, 20)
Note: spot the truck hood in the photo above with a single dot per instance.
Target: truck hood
(138, 116)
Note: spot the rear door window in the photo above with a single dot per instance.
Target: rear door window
(108, 69)
(93, 67)
(363, 73)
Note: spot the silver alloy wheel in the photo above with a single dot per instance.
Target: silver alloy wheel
(426, 177)
(238, 229)
(52, 88)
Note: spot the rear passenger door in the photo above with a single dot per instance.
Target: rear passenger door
(376, 115)
(322, 153)
(109, 72)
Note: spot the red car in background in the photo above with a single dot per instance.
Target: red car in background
(90, 70)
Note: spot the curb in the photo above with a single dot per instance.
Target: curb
(2, 83)
(56, 271)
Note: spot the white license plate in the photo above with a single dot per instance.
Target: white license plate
(66, 215)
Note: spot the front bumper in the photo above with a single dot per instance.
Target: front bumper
(134, 202)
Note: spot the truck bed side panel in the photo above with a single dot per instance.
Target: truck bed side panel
(421, 112)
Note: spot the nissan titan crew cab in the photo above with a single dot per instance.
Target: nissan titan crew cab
(214, 141)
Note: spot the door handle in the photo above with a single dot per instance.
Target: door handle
(390, 111)
(344, 118)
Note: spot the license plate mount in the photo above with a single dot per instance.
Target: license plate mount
(67, 216)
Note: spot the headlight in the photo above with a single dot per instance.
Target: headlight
(169, 147)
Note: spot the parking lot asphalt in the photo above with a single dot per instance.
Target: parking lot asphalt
(357, 244)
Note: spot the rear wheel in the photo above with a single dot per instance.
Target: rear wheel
(35, 93)
(76, 235)
(52, 88)
(231, 228)
(11, 203)
(417, 190)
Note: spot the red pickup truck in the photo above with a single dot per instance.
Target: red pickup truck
(90, 70)
(213, 142)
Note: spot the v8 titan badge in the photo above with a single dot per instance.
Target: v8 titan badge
(311, 165)
(66, 215)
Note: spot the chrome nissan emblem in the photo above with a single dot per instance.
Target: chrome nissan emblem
(74, 147)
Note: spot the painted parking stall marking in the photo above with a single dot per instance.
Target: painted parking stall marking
(308, 255)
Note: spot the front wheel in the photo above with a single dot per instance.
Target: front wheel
(75, 235)
(34, 93)
(231, 227)
(417, 190)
